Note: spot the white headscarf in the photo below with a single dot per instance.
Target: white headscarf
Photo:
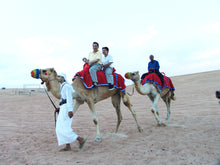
(64, 76)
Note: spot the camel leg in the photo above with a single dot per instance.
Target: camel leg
(95, 120)
(155, 110)
(76, 105)
(116, 101)
(127, 103)
(167, 101)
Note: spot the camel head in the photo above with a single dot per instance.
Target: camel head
(46, 75)
(134, 76)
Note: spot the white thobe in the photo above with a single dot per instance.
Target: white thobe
(65, 134)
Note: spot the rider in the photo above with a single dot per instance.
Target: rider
(153, 67)
(94, 60)
(107, 63)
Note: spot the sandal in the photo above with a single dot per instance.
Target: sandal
(65, 149)
(81, 145)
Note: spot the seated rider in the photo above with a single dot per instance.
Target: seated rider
(153, 67)
(107, 63)
(94, 60)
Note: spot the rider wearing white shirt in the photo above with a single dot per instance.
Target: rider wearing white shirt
(107, 63)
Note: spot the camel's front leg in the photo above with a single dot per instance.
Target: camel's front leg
(95, 120)
(76, 105)
(155, 110)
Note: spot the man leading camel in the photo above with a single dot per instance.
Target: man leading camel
(64, 132)
(94, 60)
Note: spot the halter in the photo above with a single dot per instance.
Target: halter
(47, 82)
(128, 76)
(36, 74)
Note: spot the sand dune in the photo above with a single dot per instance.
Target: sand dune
(193, 136)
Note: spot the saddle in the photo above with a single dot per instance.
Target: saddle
(153, 78)
(87, 81)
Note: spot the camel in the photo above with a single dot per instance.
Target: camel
(154, 95)
(90, 96)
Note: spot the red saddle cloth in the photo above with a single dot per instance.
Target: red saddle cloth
(154, 78)
(87, 81)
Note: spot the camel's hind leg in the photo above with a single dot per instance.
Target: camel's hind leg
(116, 101)
(127, 103)
(167, 101)
(95, 120)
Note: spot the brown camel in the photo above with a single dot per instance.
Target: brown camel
(90, 96)
(150, 90)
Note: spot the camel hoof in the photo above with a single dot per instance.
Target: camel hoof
(140, 129)
(173, 98)
(97, 140)
(161, 125)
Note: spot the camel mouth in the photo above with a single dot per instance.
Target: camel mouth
(127, 75)
(35, 73)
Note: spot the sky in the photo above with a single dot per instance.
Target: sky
(183, 35)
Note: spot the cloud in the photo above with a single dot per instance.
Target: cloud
(211, 28)
(140, 39)
(42, 45)
(209, 54)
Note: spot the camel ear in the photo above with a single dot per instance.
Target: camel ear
(52, 71)
(55, 72)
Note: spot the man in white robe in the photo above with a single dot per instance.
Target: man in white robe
(64, 132)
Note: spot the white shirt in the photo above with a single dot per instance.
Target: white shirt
(107, 59)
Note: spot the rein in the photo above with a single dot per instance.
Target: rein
(132, 92)
(47, 84)
(55, 120)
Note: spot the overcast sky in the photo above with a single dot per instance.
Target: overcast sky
(183, 35)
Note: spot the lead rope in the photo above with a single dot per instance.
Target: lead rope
(55, 119)
(132, 92)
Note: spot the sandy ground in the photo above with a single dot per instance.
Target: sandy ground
(27, 131)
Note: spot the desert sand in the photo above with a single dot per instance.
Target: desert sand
(193, 136)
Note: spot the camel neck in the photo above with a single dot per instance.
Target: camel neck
(54, 87)
(138, 87)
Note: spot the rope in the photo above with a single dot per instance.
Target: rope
(55, 120)
(132, 92)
